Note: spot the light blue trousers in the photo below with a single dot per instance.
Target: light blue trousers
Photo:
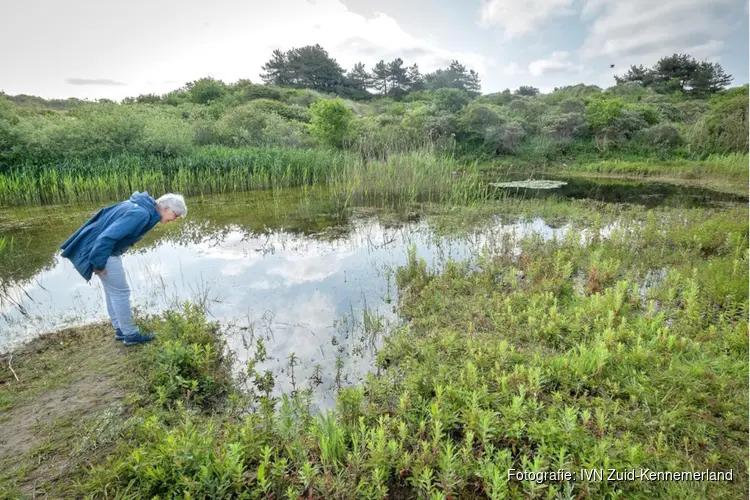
(117, 296)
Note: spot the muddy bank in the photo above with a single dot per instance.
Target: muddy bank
(54, 406)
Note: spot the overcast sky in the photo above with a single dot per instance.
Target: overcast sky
(94, 49)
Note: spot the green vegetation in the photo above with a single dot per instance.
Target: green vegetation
(398, 178)
(330, 122)
(622, 344)
(209, 170)
(210, 136)
(679, 73)
(621, 351)
(726, 173)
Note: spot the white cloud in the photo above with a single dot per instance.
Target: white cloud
(150, 45)
(93, 81)
(354, 37)
(642, 31)
(512, 69)
(558, 62)
(520, 17)
(304, 270)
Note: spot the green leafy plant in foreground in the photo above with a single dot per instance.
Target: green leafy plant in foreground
(567, 356)
(189, 366)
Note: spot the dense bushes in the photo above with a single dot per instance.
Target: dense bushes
(189, 366)
(252, 125)
(724, 129)
(662, 135)
(567, 126)
(330, 122)
(624, 119)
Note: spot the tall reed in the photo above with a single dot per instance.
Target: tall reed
(394, 178)
(209, 170)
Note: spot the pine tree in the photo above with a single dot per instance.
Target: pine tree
(380, 77)
(359, 78)
(416, 81)
(397, 77)
(275, 70)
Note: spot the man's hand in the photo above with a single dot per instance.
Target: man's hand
(100, 272)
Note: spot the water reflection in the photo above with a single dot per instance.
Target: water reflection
(303, 294)
(648, 194)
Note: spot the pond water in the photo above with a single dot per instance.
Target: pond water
(648, 194)
(269, 265)
(313, 286)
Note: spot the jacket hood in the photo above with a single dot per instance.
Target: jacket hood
(144, 200)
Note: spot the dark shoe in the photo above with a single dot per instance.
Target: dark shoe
(119, 335)
(138, 339)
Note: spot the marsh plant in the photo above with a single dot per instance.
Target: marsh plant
(505, 363)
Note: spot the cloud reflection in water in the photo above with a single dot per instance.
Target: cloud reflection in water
(303, 294)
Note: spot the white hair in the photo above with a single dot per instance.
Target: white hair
(174, 202)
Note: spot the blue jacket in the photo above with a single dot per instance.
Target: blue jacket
(111, 231)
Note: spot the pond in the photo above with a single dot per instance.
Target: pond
(648, 194)
(309, 284)
(277, 266)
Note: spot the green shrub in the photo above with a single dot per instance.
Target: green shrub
(572, 106)
(300, 97)
(440, 125)
(11, 141)
(476, 117)
(330, 122)
(578, 91)
(648, 114)
(148, 99)
(661, 136)
(206, 90)
(543, 149)
(175, 98)
(505, 138)
(614, 120)
(691, 110)
(450, 100)
(497, 98)
(246, 125)
(630, 121)
(667, 107)
(725, 128)
(425, 96)
(567, 126)
(631, 90)
(252, 92)
(519, 104)
(376, 139)
(166, 136)
(602, 114)
(187, 364)
(415, 118)
(92, 131)
(206, 132)
(290, 112)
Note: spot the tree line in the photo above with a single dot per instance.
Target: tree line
(313, 68)
(680, 73)
(665, 115)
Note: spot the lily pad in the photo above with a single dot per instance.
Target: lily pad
(530, 184)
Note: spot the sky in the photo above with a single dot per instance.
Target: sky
(108, 49)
